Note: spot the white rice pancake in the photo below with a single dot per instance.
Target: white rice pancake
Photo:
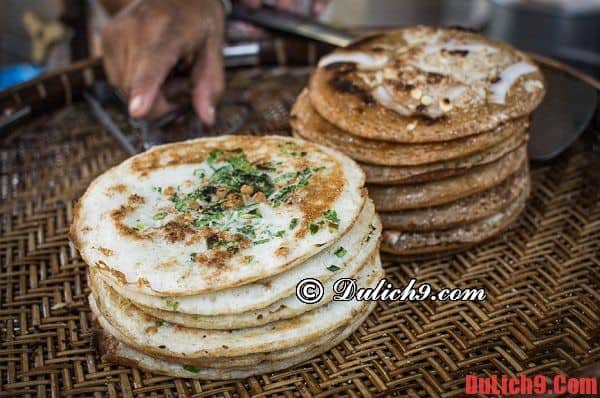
(213, 213)
(285, 308)
(115, 351)
(359, 242)
(164, 340)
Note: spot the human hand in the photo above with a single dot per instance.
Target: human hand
(146, 39)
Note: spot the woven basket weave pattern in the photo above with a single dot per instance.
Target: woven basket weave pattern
(542, 313)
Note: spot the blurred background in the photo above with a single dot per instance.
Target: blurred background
(44, 35)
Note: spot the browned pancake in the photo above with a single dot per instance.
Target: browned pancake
(426, 243)
(383, 175)
(481, 178)
(424, 85)
(308, 124)
(463, 211)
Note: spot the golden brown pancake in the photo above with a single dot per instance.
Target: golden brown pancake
(424, 84)
(308, 124)
(462, 211)
(426, 243)
(385, 175)
(401, 197)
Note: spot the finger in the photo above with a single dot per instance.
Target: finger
(208, 78)
(113, 55)
(319, 6)
(150, 71)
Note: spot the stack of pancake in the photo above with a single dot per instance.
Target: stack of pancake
(196, 251)
(438, 119)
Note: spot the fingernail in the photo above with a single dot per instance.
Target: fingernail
(211, 114)
(135, 105)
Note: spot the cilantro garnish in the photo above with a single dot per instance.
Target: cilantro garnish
(333, 268)
(313, 228)
(340, 252)
(331, 216)
(159, 216)
(172, 304)
(293, 223)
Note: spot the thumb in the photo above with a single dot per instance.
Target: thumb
(145, 83)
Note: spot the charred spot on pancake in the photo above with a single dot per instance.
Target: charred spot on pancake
(342, 68)
(428, 120)
(282, 251)
(434, 78)
(106, 251)
(117, 274)
(421, 107)
(119, 188)
(378, 49)
(175, 231)
(364, 41)
(400, 85)
(118, 216)
(348, 87)
(135, 199)
(495, 79)
(461, 53)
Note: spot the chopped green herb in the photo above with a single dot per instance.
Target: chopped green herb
(157, 189)
(331, 216)
(261, 241)
(159, 216)
(180, 204)
(213, 156)
(313, 228)
(280, 233)
(159, 323)
(172, 304)
(247, 230)
(193, 256)
(294, 181)
(199, 173)
(191, 368)
(340, 252)
(293, 223)
(294, 154)
(139, 226)
(333, 268)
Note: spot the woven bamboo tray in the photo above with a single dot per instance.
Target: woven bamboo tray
(542, 313)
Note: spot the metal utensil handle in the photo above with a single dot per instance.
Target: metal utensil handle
(293, 24)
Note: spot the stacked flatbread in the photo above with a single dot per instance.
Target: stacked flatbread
(196, 250)
(438, 119)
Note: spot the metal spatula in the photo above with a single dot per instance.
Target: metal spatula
(567, 109)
